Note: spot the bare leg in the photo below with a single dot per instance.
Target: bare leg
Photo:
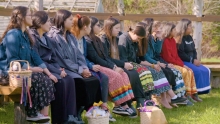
(164, 101)
(45, 111)
(168, 98)
(171, 93)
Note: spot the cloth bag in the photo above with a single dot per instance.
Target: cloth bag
(152, 114)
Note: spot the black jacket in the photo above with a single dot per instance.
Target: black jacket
(46, 53)
(186, 50)
(93, 56)
(106, 45)
(128, 49)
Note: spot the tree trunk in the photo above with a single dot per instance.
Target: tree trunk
(197, 34)
(19, 114)
(99, 8)
(38, 5)
(121, 12)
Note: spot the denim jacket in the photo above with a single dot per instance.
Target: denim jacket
(16, 46)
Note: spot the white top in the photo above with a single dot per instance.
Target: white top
(80, 45)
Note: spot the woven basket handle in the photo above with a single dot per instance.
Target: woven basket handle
(19, 65)
(149, 101)
(145, 109)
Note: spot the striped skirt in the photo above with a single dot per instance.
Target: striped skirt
(119, 86)
(189, 80)
(160, 81)
(145, 77)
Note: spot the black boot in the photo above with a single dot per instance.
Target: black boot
(140, 102)
(79, 113)
(148, 95)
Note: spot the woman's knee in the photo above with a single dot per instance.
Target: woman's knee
(185, 71)
(104, 79)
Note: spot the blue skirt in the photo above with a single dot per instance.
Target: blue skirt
(202, 77)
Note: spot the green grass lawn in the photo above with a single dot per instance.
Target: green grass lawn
(210, 60)
(206, 112)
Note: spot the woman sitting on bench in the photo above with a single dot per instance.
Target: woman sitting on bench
(187, 52)
(72, 60)
(63, 108)
(19, 46)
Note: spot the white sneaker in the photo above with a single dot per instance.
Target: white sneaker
(39, 118)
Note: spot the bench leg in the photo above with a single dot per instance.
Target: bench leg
(1, 100)
(215, 82)
(19, 114)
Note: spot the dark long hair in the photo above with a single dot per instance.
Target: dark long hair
(143, 44)
(78, 23)
(108, 26)
(59, 19)
(149, 21)
(97, 43)
(39, 18)
(17, 17)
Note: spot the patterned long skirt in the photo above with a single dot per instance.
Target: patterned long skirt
(179, 89)
(202, 77)
(189, 80)
(176, 81)
(119, 86)
(145, 77)
(160, 81)
(42, 93)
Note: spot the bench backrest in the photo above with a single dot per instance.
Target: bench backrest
(4, 20)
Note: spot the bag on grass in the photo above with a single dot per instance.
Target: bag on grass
(152, 114)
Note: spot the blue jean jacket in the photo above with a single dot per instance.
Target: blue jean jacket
(16, 46)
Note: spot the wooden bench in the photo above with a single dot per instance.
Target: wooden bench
(13, 94)
(215, 73)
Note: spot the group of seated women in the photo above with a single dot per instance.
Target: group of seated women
(74, 66)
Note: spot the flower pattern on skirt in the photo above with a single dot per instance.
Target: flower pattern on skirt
(42, 93)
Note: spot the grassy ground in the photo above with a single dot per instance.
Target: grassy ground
(206, 112)
(211, 60)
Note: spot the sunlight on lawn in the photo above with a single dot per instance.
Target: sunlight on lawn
(206, 112)
(210, 60)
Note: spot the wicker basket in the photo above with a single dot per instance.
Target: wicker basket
(98, 120)
(16, 77)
